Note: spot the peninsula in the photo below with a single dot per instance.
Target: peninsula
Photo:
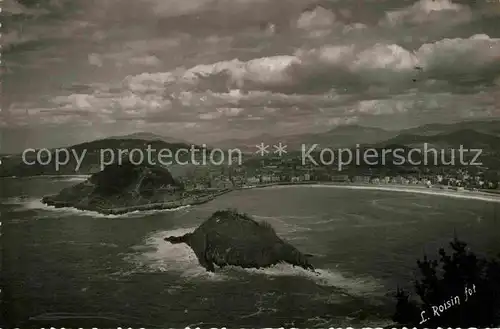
(125, 187)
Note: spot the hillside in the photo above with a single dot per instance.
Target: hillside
(93, 152)
(485, 127)
(448, 143)
(128, 187)
(341, 136)
(467, 138)
(146, 136)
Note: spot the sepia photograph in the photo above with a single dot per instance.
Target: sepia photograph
(250, 164)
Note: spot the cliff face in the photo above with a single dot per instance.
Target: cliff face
(118, 186)
(231, 238)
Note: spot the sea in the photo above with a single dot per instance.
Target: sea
(64, 267)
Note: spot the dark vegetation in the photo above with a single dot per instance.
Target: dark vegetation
(15, 166)
(443, 279)
(116, 178)
(124, 187)
(230, 238)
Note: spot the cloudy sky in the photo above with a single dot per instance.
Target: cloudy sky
(206, 70)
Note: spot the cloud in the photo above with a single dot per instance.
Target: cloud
(122, 59)
(429, 11)
(380, 107)
(13, 7)
(145, 60)
(95, 59)
(222, 113)
(188, 7)
(460, 56)
(329, 80)
(350, 66)
(316, 19)
(216, 66)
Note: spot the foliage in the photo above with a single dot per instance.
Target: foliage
(234, 214)
(117, 178)
(442, 281)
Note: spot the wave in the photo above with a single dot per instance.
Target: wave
(358, 286)
(17, 200)
(81, 177)
(326, 221)
(51, 319)
(418, 205)
(350, 322)
(281, 218)
(72, 179)
(391, 208)
(157, 255)
(281, 224)
(37, 204)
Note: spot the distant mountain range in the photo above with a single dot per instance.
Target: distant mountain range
(341, 136)
(146, 136)
(478, 134)
(467, 138)
(486, 127)
(483, 135)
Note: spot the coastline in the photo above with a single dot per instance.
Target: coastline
(189, 201)
(484, 195)
(437, 190)
(47, 176)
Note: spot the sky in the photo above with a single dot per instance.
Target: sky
(208, 70)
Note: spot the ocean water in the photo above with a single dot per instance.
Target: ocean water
(66, 267)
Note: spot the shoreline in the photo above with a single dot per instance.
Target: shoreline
(46, 176)
(483, 195)
(144, 207)
(436, 190)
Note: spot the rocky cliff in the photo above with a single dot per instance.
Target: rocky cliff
(231, 238)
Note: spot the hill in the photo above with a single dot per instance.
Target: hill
(467, 138)
(121, 188)
(93, 156)
(448, 146)
(485, 127)
(232, 238)
(147, 136)
(341, 136)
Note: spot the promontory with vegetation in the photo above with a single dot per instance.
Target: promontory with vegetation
(126, 187)
(230, 238)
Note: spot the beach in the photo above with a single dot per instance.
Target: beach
(418, 189)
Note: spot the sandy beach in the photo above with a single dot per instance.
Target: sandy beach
(434, 190)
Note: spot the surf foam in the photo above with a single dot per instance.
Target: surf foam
(158, 255)
(325, 277)
(37, 204)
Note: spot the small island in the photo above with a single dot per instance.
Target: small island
(230, 238)
(125, 187)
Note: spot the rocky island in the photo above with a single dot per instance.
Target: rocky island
(231, 238)
(125, 187)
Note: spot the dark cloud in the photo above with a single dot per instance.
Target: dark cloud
(209, 69)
